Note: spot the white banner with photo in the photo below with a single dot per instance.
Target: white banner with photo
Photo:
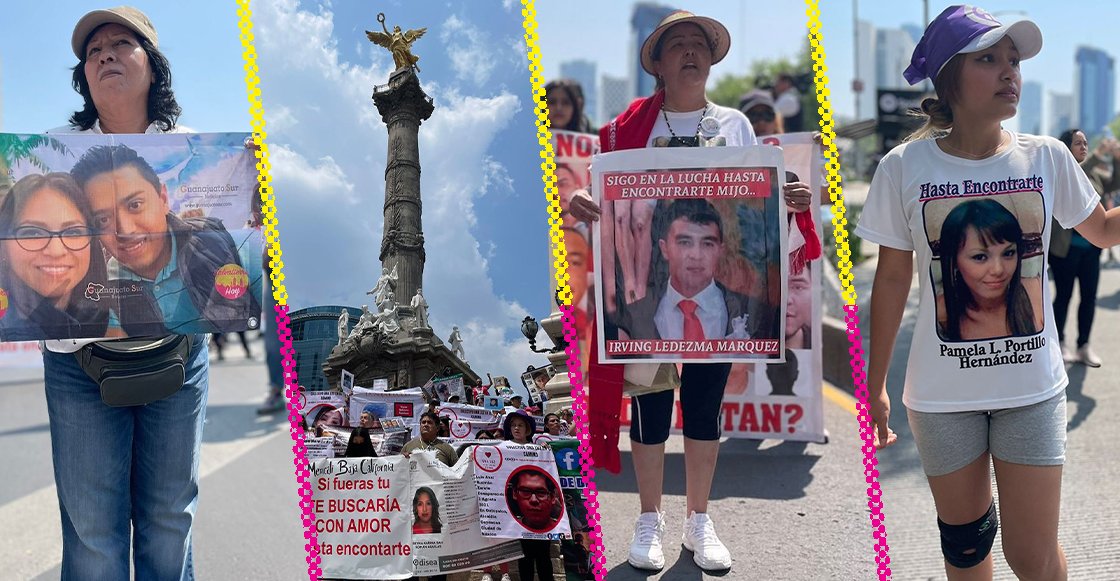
(404, 403)
(519, 492)
(446, 533)
(362, 517)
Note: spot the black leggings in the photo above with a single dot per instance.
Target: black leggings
(702, 386)
(1084, 264)
(538, 553)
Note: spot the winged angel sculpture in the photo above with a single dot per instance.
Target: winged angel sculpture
(399, 43)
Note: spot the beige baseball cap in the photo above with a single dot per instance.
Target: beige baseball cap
(716, 32)
(126, 16)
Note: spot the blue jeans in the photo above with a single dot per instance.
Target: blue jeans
(272, 346)
(122, 470)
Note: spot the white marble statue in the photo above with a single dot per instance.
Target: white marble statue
(390, 321)
(455, 341)
(366, 321)
(420, 307)
(343, 326)
(383, 291)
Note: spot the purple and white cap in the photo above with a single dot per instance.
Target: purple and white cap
(963, 29)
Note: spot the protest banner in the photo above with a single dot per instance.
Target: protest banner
(573, 154)
(21, 355)
(347, 382)
(446, 532)
(362, 519)
(460, 411)
(492, 403)
(782, 400)
(320, 447)
(575, 551)
(404, 403)
(706, 279)
(325, 408)
(519, 492)
(190, 197)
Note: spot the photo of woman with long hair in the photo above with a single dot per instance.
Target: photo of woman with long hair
(425, 512)
(49, 258)
(985, 295)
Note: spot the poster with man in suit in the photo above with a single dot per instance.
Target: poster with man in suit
(714, 289)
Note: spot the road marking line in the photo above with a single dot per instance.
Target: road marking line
(840, 398)
(40, 546)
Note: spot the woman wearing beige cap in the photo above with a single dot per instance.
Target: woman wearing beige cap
(680, 53)
(126, 476)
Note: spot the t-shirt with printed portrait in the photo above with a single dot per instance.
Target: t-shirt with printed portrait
(985, 336)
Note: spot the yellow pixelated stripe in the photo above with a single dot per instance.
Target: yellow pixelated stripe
(544, 136)
(272, 235)
(839, 222)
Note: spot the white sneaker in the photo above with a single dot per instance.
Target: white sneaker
(645, 546)
(1068, 354)
(707, 551)
(1085, 355)
(505, 577)
(487, 577)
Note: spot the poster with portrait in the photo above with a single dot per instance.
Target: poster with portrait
(534, 382)
(128, 235)
(782, 400)
(573, 153)
(700, 273)
(403, 403)
(446, 532)
(519, 492)
(445, 388)
(363, 517)
(327, 408)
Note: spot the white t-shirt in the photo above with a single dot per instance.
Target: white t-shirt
(986, 361)
(733, 125)
(72, 345)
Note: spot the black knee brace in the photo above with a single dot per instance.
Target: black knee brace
(976, 536)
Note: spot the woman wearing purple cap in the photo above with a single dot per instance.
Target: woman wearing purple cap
(985, 382)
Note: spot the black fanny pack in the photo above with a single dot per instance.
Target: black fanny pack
(135, 372)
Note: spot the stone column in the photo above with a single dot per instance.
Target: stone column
(403, 106)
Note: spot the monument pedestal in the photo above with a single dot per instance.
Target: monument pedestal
(559, 388)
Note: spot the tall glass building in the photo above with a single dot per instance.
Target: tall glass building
(314, 334)
(643, 21)
(1094, 87)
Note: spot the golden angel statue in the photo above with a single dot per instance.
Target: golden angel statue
(399, 43)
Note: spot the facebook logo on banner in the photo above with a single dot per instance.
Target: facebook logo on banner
(567, 459)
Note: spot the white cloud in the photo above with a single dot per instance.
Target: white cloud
(327, 147)
(469, 50)
(509, 4)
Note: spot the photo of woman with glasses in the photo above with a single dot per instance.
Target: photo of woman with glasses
(52, 267)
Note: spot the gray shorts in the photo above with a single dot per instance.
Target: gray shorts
(1033, 435)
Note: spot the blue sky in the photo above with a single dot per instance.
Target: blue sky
(1065, 25)
(485, 217)
(207, 69)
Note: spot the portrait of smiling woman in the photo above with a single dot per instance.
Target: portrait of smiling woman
(48, 257)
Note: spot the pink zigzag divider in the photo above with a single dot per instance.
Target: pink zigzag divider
(874, 493)
(579, 393)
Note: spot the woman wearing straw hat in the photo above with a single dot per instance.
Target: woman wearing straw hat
(680, 53)
(996, 398)
(127, 477)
